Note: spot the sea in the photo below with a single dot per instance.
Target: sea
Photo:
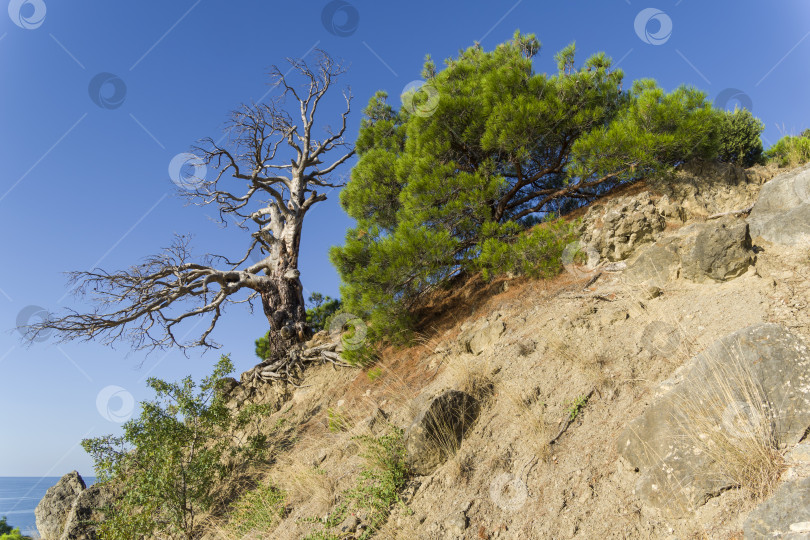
(19, 496)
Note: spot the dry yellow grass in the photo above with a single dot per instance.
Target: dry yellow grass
(728, 417)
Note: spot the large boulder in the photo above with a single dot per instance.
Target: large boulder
(55, 508)
(781, 214)
(437, 431)
(786, 514)
(755, 377)
(70, 511)
(711, 251)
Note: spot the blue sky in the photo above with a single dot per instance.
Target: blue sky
(84, 186)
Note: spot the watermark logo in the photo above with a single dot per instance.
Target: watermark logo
(646, 20)
(351, 329)
(661, 338)
(187, 171)
(340, 18)
(115, 404)
(733, 96)
(107, 90)
(426, 106)
(28, 14)
(579, 259)
(508, 492)
(26, 316)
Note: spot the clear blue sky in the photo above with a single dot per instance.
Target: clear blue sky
(82, 185)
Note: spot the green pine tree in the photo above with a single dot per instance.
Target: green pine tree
(485, 143)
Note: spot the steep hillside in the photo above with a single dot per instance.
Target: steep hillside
(576, 407)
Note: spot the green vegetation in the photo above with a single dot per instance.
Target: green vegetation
(790, 151)
(337, 421)
(171, 459)
(257, 511)
(320, 312)
(740, 140)
(486, 144)
(374, 373)
(536, 253)
(576, 406)
(382, 477)
(7, 533)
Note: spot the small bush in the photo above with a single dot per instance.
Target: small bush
(7, 533)
(258, 510)
(536, 253)
(740, 141)
(171, 459)
(790, 151)
(383, 475)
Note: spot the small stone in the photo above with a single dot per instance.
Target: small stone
(651, 292)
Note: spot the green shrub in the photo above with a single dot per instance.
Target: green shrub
(535, 253)
(7, 533)
(740, 141)
(790, 151)
(171, 459)
(382, 477)
(258, 510)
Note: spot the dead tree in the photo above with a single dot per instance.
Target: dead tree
(268, 174)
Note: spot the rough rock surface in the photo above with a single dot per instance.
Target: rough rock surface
(482, 336)
(87, 510)
(438, 430)
(712, 251)
(69, 509)
(782, 211)
(675, 474)
(786, 514)
(702, 188)
(55, 508)
(615, 228)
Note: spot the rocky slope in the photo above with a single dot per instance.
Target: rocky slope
(614, 401)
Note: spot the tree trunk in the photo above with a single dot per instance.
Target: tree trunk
(282, 296)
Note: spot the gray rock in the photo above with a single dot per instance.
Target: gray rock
(712, 251)
(786, 514)
(70, 511)
(655, 265)
(438, 429)
(716, 251)
(618, 226)
(88, 511)
(484, 337)
(455, 525)
(677, 475)
(56, 506)
(781, 214)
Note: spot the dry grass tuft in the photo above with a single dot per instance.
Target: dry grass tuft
(728, 417)
(303, 483)
(473, 376)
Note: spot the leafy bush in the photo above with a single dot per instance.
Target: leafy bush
(171, 459)
(790, 151)
(7, 533)
(536, 253)
(740, 141)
